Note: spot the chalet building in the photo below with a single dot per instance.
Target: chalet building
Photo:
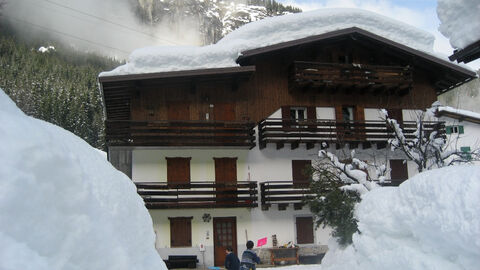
(462, 129)
(219, 154)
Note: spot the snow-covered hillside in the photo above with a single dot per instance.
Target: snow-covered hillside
(63, 206)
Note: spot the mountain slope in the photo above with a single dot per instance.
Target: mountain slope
(214, 19)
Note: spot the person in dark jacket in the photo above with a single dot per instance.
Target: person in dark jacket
(231, 261)
(249, 258)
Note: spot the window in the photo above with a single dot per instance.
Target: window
(178, 170)
(180, 231)
(298, 113)
(347, 114)
(304, 226)
(466, 152)
(454, 129)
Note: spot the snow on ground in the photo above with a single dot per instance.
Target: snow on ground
(432, 221)
(63, 206)
(270, 31)
(459, 21)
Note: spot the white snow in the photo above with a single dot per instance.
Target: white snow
(432, 221)
(47, 49)
(459, 21)
(270, 31)
(63, 206)
(459, 111)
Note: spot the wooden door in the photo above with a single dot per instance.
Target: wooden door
(178, 110)
(224, 235)
(178, 170)
(226, 173)
(224, 112)
(304, 227)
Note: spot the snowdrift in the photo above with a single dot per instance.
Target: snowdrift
(432, 221)
(63, 206)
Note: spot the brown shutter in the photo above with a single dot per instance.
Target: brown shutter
(338, 113)
(359, 118)
(398, 170)
(286, 116)
(178, 170)
(312, 116)
(181, 232)
(304, 230)
(396, 114)
(299, 168)
(359, 114)
(226, 173)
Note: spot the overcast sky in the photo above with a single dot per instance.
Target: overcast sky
(419, 13)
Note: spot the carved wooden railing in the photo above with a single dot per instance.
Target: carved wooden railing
(324, 132)
(179, 133)
(162, 195)
(357, 76)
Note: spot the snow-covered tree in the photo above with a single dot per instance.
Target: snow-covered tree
(428, 148)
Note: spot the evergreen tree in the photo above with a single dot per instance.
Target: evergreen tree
(58, 86)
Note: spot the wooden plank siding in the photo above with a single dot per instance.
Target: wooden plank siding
(267, 90)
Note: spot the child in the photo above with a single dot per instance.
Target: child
(249, 258)
(231, 261)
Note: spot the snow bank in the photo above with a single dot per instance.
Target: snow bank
(432, 221)
(63, 206)
(459, 21)
(270, 31)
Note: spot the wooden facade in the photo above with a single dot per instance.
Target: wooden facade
(349, 70)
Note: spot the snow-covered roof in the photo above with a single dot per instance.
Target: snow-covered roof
(459, 21)
(459, 114)
(268, 32)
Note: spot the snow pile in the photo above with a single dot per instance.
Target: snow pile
(459, 21)
(432, 221)
(461, 112)
(46, 49)
(267, 32)
(63, 206)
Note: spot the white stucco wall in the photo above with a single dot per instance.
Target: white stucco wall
(268, 164)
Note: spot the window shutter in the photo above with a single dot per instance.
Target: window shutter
(181, 232)
(448, 129)
(285, 116)
(460, 129)
(304, 230)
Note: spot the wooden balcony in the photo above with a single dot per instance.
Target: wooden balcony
(161, 195)
(180, 133)
(336, 77)
(283, 193)
(325, 132)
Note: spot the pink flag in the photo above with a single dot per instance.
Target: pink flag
(262, 242)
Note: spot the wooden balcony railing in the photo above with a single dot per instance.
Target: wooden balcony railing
(351, 77)
(325, 132)
(284, 193)
(161, 195)
(180, 133)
